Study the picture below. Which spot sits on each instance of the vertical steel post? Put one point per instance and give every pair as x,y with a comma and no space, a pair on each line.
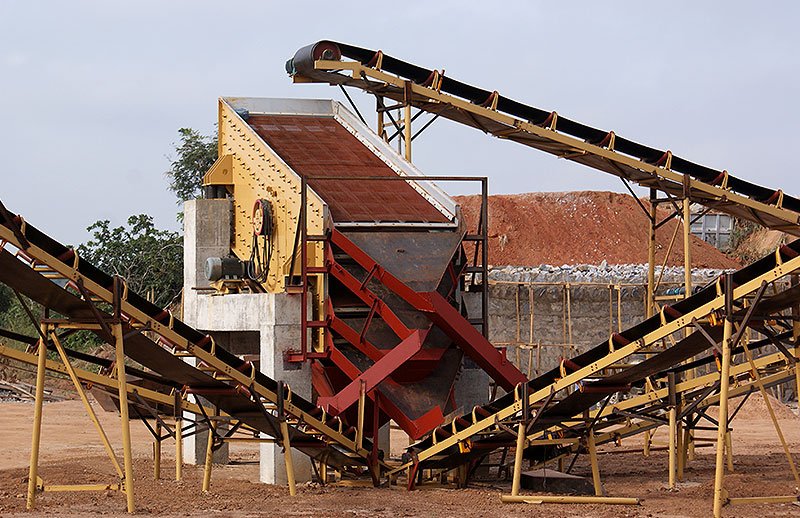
379,109
517,479
485,257
323,472
303,267
33,472
722,428
407,129
688,438
796,340
651,255
687,248
157,453
209,460
178,438
672,400
590,441
287,457
361,409
680,446
123,411
729,450
672,447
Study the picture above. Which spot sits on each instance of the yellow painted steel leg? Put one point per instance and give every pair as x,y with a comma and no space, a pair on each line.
362,396
673,432
517,479
381,121
209,459
157,453
687,248
323,473
651,256
684,450
729,451
598,485
646,446
89,410
722,429
33,472
287,457
178,448
680,447
123,411
688,439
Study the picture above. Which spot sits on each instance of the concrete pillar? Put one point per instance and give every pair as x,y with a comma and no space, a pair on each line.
207,233
278,335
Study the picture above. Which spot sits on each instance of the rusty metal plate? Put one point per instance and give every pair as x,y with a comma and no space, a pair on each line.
316,146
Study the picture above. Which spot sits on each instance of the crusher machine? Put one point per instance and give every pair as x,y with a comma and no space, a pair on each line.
326,209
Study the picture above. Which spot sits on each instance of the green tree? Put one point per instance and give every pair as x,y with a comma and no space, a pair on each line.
5,298
196,153
150,260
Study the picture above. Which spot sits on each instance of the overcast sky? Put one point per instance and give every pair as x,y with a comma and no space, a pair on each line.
93,93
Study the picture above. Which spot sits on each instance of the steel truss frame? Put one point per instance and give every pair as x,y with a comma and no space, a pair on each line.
432,304
638,412
295,415
549,138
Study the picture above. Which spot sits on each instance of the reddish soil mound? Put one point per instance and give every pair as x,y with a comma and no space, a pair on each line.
755,409
584,227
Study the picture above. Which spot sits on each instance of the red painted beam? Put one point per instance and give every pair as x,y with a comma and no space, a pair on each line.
376,374
444,315
473,343
378,272
369,298
415,428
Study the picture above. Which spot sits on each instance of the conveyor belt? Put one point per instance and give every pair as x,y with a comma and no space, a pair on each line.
677,316
311,434
432,91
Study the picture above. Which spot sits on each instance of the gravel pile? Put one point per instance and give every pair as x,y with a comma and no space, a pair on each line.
602,273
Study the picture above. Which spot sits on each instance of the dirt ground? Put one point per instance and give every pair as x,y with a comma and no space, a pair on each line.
71,453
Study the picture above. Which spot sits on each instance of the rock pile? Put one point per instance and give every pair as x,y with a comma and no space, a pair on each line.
603,273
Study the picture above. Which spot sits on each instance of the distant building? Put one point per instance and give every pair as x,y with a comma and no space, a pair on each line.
712,227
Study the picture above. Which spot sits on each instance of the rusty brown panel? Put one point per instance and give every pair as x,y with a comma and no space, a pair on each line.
320,146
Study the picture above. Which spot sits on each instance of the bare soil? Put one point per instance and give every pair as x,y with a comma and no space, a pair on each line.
583,227
71,453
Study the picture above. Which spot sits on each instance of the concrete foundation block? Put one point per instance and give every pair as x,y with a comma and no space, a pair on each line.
278,336
272,466
552,481
194,448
